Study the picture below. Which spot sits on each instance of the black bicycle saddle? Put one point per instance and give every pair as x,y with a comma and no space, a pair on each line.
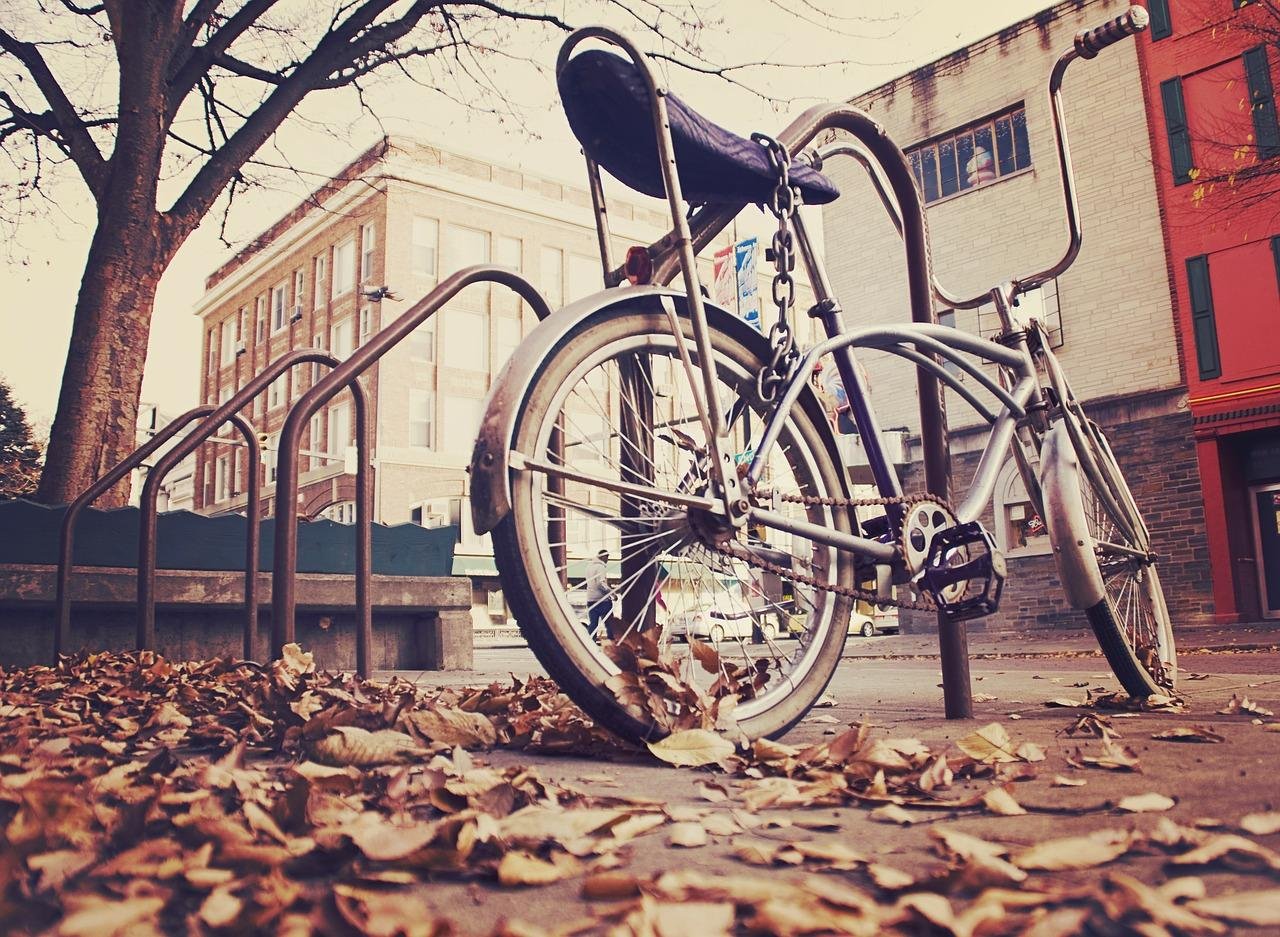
607,102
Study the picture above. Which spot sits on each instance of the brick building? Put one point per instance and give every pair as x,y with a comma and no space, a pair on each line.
1208,80
977,127
402,215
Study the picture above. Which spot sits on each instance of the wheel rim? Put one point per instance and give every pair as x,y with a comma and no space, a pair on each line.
567,523
868,630
1132,587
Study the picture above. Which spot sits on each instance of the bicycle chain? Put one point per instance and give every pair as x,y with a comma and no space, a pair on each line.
925,604
782,204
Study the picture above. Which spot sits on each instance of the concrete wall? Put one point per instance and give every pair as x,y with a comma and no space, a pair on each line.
418,623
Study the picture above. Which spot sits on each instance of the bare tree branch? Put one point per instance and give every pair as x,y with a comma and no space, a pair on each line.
186,73
76,140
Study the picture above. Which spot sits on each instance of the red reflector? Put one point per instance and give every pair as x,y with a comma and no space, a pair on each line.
638,266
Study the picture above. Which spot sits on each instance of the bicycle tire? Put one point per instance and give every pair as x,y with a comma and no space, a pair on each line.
536,578
1131,619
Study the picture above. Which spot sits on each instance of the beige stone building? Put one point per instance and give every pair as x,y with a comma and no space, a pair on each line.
403,215
977,127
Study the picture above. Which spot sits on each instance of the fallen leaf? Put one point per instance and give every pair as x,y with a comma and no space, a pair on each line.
1113,757
1147,803
1066,702
1256,908
999,801
1261,824
220,908
449,725
611,885
1030,752
1074,852
692,748
522,868
1243,705
687,835
1189,734
984,698
1062,781
989,745
889,878
360,748
892,813
1244,852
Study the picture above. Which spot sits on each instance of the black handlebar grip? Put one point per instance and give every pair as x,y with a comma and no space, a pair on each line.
1089,42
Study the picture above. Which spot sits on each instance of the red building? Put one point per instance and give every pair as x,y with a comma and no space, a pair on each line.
1209,69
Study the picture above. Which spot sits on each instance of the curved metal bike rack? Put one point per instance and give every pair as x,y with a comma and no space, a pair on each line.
284,567
224,412
66,544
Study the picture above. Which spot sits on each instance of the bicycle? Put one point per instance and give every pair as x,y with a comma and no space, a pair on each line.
628,421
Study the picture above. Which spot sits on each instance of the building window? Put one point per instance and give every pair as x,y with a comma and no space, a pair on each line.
585,277
551,275
317,369
1161,23
1175,124
978,154
506,338
228,340
466,340
461,423
242,328
1020,531
422,341
213,349
344,512
422,419
222,478
299,288
260,319
506,253
1203,328
270,455
368,241
339,430
1041,304
425,245
315,445
466,247
340,340
344,267
317,285
366,323
277,392
278,316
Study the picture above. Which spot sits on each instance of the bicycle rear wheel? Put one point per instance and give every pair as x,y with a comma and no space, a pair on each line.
1131,619
612,403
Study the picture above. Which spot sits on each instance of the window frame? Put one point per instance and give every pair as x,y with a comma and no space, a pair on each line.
368,244
279,306
422,399
339,289
918,154
415,246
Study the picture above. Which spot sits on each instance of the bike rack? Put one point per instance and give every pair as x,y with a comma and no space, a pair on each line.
229,411
284,566
66,541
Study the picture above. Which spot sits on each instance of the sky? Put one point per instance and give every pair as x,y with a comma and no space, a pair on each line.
875,40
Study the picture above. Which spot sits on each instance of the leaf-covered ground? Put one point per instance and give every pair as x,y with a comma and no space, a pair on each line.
140,795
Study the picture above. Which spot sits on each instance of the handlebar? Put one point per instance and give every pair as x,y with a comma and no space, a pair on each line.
1088,43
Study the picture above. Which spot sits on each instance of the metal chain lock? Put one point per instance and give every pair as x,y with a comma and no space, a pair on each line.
782,204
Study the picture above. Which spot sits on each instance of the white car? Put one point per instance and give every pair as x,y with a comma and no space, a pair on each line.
731,618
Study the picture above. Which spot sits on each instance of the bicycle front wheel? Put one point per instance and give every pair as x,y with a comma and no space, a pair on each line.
1131,619
613,405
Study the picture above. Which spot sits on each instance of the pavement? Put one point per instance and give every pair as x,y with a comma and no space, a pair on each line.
893,683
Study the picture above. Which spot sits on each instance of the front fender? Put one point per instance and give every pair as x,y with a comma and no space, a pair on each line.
489,468
1064,516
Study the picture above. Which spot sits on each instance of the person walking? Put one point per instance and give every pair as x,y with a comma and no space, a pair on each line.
599,593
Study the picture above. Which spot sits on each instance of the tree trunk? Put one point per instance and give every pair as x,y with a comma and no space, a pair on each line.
95,425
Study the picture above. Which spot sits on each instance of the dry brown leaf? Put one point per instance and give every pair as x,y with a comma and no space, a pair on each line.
889,878
610,885
360,748
1030,752
1066,702
1189,734
637,825
1240,851
1060,780
687,835
1075,852
1242,705
1000,801
937,776
1261,824
107,918
1147,803
1255,908
449,725
220,908
1113,757
989,745
522,868
692,748
892,813
537,824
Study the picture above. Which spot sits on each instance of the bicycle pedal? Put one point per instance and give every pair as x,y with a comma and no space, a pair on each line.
965,572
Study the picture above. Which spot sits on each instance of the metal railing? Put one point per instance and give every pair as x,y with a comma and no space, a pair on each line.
66,541
225,411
